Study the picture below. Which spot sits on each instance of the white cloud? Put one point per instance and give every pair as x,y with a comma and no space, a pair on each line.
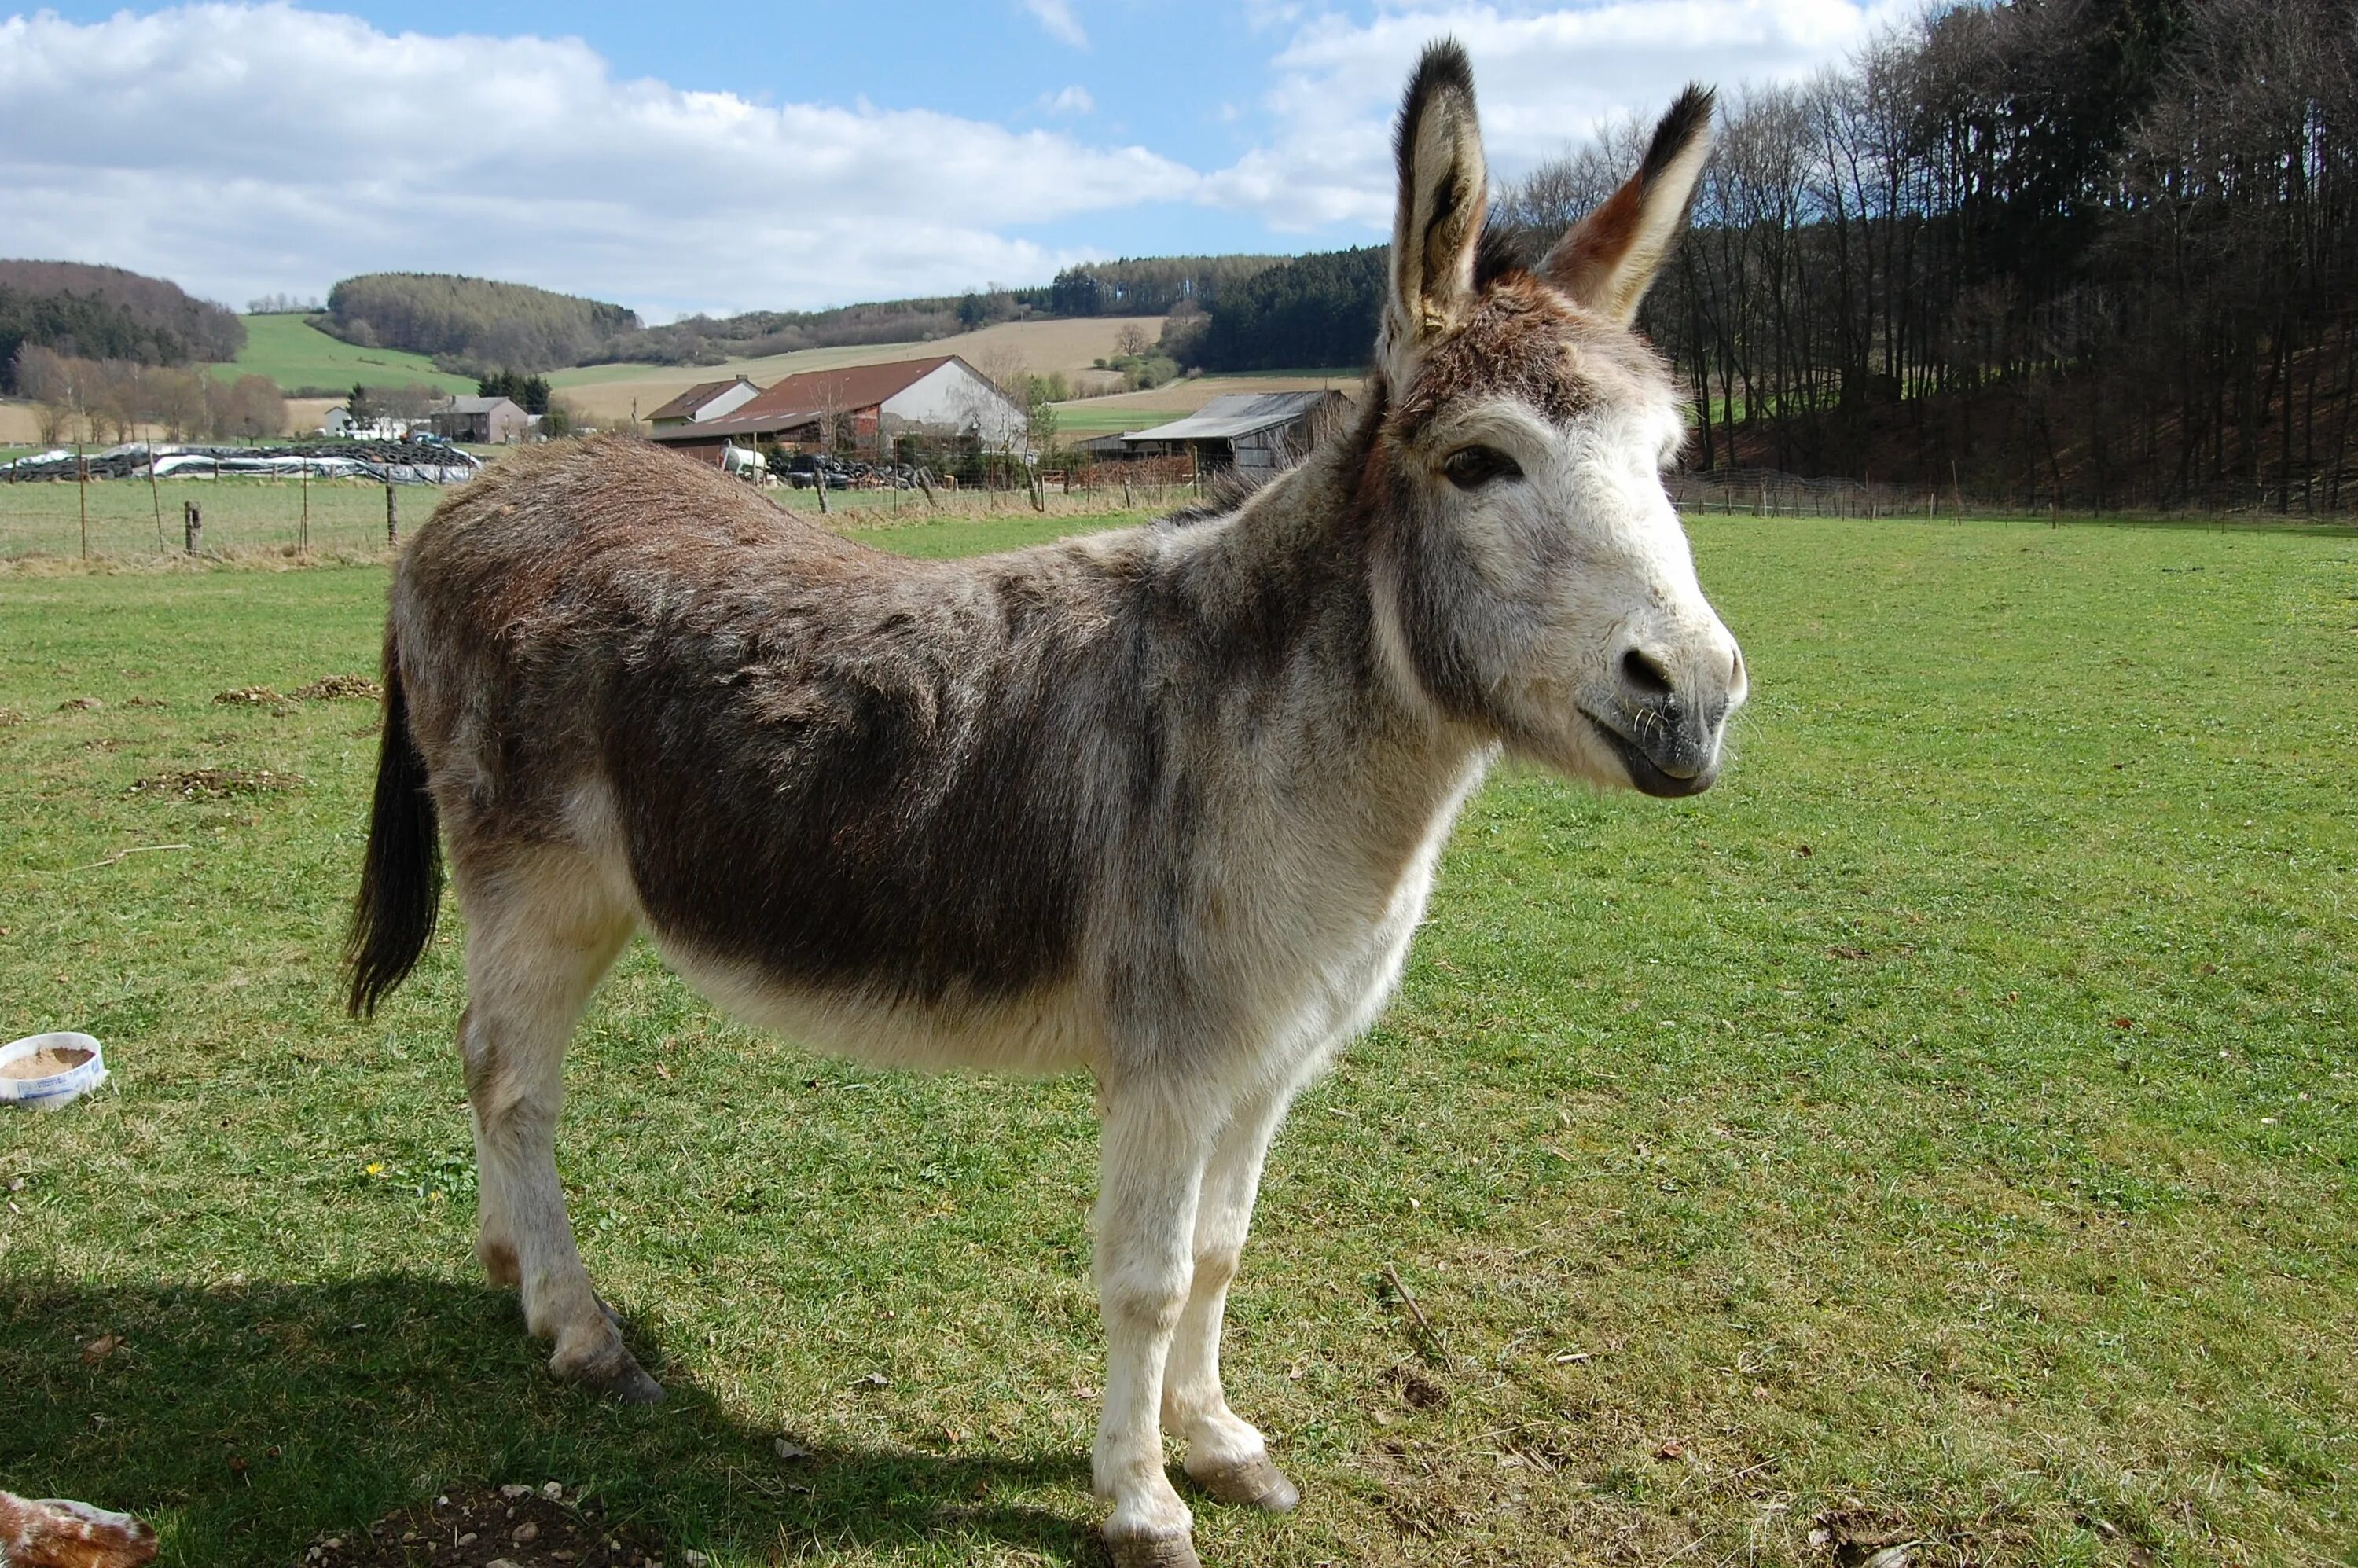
1056,17
1074,100
243,149
1547,77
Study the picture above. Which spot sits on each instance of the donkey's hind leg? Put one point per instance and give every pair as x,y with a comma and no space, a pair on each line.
541,931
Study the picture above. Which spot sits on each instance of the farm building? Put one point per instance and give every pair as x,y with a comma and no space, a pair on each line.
706,400
485,421
861,406
1254,431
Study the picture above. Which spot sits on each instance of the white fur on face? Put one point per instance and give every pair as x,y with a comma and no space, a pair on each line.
1591,561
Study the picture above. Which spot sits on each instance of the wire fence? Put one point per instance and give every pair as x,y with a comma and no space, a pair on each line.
1767,492
135,518
209,517
119,518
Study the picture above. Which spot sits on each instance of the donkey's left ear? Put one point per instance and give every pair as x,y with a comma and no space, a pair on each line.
1608,260
1444,191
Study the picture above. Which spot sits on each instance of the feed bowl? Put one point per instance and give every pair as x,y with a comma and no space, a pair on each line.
43,1072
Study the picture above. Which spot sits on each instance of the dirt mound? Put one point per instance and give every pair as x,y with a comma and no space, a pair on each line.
524,1527
250,696
218,783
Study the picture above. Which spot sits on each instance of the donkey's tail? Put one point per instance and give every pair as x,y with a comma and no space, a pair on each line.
401,881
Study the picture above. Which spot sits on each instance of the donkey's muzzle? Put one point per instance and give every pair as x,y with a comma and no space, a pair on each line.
1666,742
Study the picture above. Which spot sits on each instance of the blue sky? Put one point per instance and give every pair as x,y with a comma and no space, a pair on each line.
701,156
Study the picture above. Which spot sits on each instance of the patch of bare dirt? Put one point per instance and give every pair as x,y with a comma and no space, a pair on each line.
218,783
341,688
1417,1392
1861,1538
10,716
489,1527
80,704
251,697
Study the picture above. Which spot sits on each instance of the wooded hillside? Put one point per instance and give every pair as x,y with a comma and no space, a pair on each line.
2100,252
2105,251
1311,311
1150,286
473,323
106,313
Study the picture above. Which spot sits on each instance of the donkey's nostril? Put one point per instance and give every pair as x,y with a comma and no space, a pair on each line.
1644,676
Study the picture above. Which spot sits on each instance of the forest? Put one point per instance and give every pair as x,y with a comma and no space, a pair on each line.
473,323
2091,253
106,313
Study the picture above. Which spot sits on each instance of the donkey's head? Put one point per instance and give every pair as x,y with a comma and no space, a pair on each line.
1537,582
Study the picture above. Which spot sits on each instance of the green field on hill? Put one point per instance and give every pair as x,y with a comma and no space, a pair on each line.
1941,1139
295,354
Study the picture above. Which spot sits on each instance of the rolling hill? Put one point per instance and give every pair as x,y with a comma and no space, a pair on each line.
295,354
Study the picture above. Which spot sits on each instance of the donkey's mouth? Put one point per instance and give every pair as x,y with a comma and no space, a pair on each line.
1644,772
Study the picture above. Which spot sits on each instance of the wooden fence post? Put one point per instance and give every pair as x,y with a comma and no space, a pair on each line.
392,518
192,524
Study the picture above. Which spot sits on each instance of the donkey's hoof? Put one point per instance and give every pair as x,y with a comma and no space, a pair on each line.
1152,1551
610,1371
1254,1484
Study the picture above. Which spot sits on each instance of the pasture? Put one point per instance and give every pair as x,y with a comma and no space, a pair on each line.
1942,1135
294,353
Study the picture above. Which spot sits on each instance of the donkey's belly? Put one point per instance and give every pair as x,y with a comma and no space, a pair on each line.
1043,1031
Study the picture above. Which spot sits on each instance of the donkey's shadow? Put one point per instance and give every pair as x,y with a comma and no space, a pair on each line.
247,1420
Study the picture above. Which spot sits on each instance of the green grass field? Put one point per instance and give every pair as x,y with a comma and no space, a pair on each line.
294,353
1943,1134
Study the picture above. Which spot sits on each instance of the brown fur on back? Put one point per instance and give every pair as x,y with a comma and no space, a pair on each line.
841,767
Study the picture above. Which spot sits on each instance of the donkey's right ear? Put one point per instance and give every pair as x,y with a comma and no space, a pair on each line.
1444,190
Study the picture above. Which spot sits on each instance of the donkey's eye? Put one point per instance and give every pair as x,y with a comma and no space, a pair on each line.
1470,468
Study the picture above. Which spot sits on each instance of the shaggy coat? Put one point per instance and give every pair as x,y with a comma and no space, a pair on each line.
1161,803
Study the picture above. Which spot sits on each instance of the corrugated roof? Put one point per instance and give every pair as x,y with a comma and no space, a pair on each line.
1235,414
684,405
738,424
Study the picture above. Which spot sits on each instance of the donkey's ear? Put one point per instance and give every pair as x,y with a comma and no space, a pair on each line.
1444,190
1608,260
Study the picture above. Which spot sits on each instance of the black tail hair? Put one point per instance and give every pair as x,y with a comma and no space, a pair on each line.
401,881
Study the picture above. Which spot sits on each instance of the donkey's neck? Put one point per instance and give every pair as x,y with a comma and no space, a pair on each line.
1284,585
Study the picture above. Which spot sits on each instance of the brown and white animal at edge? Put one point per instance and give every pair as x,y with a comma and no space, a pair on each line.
1161,803
53,1533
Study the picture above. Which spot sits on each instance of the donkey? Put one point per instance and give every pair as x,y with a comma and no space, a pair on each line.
1161,803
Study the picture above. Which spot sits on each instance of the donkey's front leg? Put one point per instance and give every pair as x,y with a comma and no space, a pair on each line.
1226,1453
1150,1168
